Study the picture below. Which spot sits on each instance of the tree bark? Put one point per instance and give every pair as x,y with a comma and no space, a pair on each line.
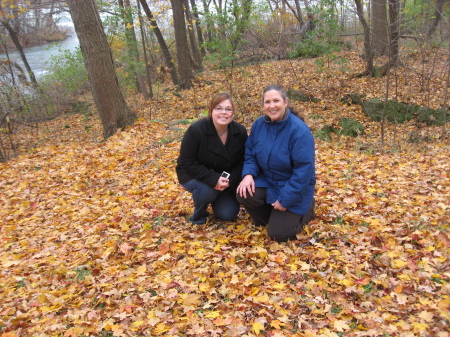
242,21
190,30
16,41
184,62
368,56
144,49
437,18
394,35
162,43
109,100
379,27
209,33
297,12
133,52
198,28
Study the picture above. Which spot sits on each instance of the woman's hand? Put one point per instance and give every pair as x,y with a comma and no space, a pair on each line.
222,184
247,185
277,205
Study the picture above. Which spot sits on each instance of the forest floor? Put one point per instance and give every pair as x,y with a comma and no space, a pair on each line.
95,237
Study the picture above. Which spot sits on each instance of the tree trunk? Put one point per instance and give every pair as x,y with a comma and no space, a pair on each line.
162,43
242,21
297,11
144,49
368,56
379,27
16,41
394,35
184,61
198,28
113,110
209,33
437,18
190,29
394,31
133,52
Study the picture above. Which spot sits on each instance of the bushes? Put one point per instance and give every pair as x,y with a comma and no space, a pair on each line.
313,47
349,127
66,78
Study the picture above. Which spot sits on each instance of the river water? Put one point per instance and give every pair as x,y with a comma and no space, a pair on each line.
39,56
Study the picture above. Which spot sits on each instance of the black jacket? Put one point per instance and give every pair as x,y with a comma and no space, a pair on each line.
204,157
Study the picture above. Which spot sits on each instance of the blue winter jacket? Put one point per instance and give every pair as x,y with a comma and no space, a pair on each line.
280,156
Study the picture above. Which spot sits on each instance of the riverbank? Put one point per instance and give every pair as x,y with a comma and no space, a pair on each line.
32,40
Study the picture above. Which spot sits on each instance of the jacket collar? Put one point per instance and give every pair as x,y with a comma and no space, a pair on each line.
215,145
286,116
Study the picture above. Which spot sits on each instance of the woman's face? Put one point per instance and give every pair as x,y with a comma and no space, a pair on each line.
222,114
274,105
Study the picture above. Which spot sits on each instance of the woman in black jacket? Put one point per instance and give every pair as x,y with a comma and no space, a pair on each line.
210,161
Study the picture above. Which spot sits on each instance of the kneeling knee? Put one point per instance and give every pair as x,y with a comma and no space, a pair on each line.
280,237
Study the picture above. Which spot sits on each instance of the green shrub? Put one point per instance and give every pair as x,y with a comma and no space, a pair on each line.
324,133
67,74
350,127
314,47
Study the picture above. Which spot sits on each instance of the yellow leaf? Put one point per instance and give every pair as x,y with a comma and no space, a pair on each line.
262,299
341,326
257,327
276,324
426,316
42,299
161,328
137,324
141,270
397,264
347,282
304,266
213,314
419,326
279,286
204,286
191,299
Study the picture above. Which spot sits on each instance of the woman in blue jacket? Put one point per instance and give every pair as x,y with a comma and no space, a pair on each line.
209,147
279,175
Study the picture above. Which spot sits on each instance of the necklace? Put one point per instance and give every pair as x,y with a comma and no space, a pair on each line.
221,134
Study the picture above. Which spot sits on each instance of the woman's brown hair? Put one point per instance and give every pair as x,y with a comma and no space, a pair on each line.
219,98
283,94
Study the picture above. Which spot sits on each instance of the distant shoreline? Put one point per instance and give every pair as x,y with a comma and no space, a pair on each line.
29,41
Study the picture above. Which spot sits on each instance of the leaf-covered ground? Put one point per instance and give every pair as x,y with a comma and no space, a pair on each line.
95,239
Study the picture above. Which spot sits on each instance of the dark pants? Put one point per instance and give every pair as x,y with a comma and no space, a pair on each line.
224,204
281,225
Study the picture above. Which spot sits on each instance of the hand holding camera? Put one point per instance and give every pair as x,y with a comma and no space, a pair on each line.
223,181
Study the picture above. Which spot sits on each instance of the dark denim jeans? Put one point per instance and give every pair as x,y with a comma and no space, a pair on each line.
224,204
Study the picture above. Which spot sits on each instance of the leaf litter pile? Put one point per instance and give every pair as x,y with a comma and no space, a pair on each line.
95,237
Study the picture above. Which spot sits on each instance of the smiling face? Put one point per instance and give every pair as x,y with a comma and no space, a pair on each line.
222,113
274,105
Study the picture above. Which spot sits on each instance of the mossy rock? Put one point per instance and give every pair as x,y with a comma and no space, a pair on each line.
432,117
394,112
373,108
399,113
296,95
350,127
324,133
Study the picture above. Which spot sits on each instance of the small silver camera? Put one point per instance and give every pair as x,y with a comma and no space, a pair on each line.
225,175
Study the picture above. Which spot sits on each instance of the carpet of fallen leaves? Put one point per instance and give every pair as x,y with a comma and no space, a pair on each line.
95,239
